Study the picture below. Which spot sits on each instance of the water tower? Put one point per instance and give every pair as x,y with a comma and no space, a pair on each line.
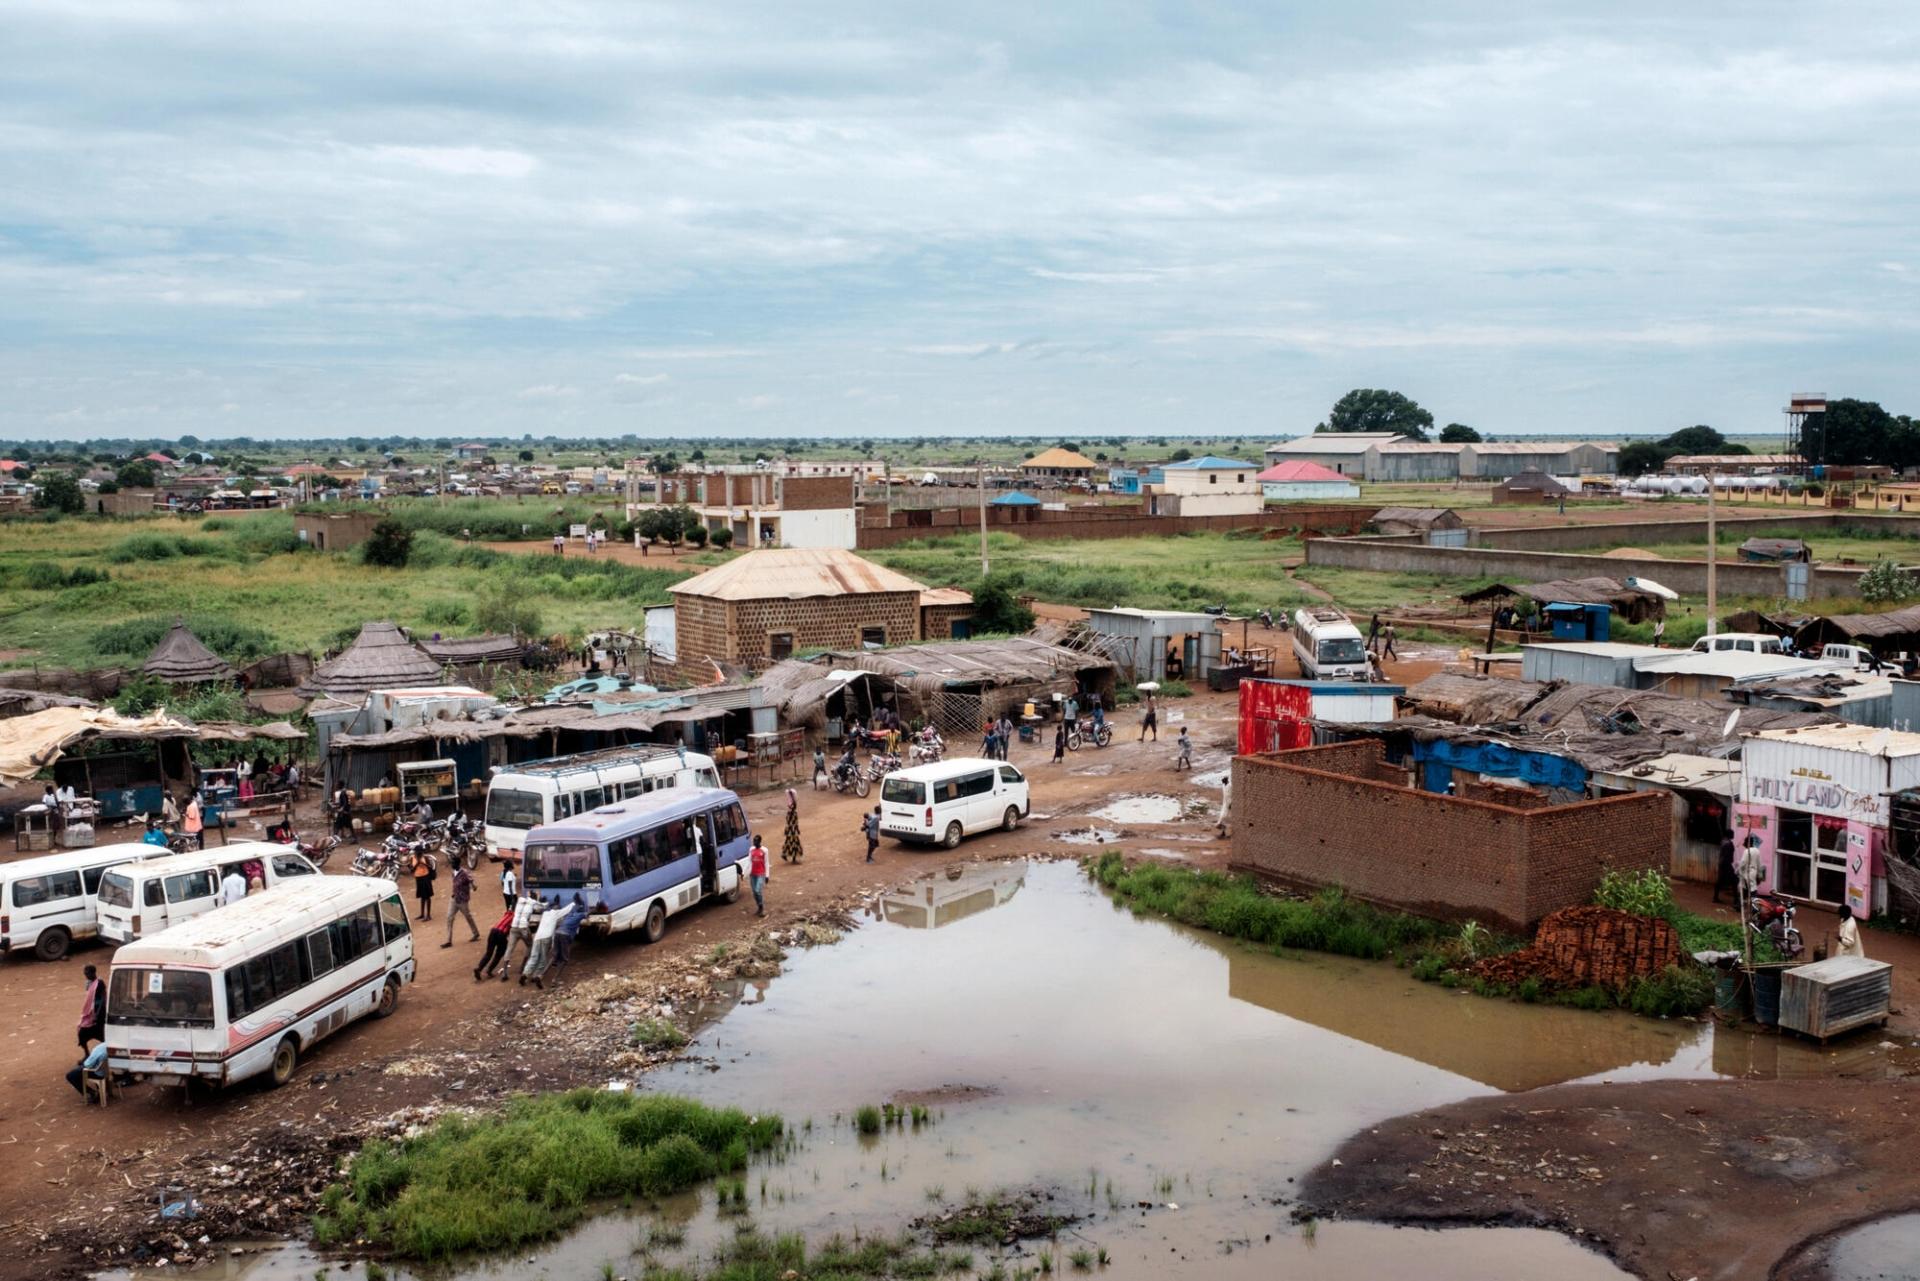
1807,427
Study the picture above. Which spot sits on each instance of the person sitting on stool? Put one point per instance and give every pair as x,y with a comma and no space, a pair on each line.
93,1065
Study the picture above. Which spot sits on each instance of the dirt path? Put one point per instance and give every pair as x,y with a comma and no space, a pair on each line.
662,557
75,1168
1674,1179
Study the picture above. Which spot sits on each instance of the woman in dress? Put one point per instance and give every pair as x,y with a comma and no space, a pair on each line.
790,848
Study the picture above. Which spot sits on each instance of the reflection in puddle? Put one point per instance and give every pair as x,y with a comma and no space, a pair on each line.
1884,1250
1114,1060
1142,809
942,900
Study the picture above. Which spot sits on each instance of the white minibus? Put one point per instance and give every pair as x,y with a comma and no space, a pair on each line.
48,902
248,988
145,898
948,799
521,797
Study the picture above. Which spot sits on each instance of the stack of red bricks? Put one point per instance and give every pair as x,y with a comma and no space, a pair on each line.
1578,946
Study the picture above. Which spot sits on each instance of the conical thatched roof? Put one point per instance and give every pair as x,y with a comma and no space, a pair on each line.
382,658
182,659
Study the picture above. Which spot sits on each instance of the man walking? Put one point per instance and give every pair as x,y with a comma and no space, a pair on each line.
519,933
1059,742
342,811
509,883
870,828
461,904
93,1009
1185,759
1386,643
193,825
1150,721
757,874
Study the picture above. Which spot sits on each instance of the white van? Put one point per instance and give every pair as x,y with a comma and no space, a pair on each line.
250,987
145,898
1739,642
948,799
47,902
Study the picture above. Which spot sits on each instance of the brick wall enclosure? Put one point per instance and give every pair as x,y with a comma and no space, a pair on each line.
1335,816
1115,520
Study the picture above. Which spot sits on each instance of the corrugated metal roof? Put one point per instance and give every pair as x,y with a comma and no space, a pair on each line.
1537,446
794,573
946,596
1335,442
1207,462
1864,739
1299,470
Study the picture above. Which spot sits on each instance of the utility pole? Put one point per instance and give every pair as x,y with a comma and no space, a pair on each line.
982,481
1713,560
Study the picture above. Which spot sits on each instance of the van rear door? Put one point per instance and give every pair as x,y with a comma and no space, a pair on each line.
903,806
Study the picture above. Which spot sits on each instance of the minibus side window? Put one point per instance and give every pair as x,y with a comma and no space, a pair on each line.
156,894
320,952
393,914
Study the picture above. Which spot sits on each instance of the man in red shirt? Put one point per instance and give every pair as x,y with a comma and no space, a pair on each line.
757,874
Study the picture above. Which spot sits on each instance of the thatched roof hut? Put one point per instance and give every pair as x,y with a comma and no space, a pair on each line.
381,658
181,658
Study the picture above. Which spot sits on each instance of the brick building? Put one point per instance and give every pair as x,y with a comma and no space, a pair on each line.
775,603
1341,815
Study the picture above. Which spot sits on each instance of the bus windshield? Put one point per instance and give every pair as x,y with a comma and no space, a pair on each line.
562,864
1343,650
509,808
152,997
116,890
903,791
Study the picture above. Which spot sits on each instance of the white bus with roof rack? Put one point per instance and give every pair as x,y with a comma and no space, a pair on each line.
246,989
522,796
1328,645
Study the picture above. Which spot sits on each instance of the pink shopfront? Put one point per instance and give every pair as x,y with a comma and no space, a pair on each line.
1815,804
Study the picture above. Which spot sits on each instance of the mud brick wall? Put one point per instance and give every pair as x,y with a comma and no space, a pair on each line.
1573,844
1518,798
1339,815
816,493
936,621
737,631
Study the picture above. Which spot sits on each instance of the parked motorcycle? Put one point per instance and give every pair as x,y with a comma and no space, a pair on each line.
382,862
1771,917
926,748
853,780
882,764
318,852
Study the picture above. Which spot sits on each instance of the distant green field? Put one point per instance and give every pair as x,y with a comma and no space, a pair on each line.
244,575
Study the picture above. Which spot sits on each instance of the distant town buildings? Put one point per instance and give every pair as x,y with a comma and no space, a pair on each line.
1386,457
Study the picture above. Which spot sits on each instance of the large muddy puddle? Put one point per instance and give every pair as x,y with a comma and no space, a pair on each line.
1061,1044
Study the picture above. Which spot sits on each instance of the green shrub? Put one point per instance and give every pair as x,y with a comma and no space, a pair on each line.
1886,582
531,1170
389,545
43,576
234,641
1645,893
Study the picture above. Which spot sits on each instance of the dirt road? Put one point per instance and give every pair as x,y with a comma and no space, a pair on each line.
74,1165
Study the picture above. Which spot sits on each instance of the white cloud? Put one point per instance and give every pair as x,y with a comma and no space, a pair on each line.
762,400
465,162
643,380
549,391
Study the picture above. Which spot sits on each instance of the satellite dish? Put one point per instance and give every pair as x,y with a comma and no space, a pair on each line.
1727,730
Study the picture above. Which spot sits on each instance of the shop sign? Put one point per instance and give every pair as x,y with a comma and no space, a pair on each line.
1811,790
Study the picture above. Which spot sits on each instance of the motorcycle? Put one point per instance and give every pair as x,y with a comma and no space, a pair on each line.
882,764
853,780
318,852
926,749
1771,918
1085,728
382,862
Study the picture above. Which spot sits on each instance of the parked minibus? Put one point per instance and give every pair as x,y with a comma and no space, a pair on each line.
523,796
637,863
138,899
248,988
949,799
48,902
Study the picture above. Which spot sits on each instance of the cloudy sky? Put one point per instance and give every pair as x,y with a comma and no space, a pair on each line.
844,218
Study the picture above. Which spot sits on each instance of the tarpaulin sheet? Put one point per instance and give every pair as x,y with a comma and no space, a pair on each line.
30,743
1439,757
1273,717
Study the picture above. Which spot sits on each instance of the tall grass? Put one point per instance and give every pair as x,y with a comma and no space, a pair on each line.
235,641
1235,906
484,1182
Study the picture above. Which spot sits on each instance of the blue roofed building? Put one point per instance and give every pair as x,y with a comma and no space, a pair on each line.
1206,486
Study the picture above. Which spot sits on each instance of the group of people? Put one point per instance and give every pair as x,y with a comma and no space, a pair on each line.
998,736
542,933
1380,639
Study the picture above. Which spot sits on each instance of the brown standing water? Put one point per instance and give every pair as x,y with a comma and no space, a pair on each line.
1065,1045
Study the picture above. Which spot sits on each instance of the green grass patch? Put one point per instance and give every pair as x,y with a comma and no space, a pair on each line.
655,1034
1236,906
531,1170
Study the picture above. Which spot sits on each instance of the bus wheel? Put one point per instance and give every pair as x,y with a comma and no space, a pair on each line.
285,1056
1011,819
733,895
52,943
953,836
389,999
656,927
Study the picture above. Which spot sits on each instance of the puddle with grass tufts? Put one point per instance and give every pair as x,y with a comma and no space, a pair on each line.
1087,836
1064,1047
